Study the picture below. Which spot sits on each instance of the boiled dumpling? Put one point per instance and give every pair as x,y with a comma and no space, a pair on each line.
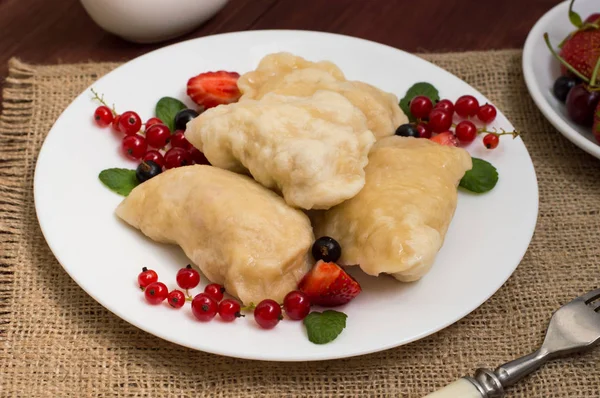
312,150
237,232
397,223
288,74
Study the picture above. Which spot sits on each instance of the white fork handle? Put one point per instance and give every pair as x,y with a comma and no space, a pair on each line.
461,388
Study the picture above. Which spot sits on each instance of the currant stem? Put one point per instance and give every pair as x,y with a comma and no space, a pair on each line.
101,100
514,134
562,61
249,307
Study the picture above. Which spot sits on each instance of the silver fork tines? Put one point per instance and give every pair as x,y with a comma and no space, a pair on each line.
574,327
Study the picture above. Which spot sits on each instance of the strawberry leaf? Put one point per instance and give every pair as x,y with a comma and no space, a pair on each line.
481,178
324,327
121,181
166,109
574,17
422,88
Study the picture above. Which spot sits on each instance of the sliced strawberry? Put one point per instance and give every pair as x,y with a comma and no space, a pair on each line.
596,126
445,138
214,88
328,285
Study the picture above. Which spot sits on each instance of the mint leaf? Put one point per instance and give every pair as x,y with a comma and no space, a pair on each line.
324,327
481,178
166,109
574,17
422,88
121,181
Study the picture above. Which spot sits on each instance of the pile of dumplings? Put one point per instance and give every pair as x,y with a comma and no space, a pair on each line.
302,141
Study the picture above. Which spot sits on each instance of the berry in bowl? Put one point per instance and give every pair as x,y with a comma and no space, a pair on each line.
561,60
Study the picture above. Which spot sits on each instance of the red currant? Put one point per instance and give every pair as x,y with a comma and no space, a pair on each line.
179,141
215,291
103,116
155,156
146,277
204,307
134,146
424,130
420,106
130,123
198,157
466,106
158,135
445,105
152,121
176,299
115,123
296,305
156,293
439,120
177,157
188,278
465,131
229,310
487,113
267,314
491,141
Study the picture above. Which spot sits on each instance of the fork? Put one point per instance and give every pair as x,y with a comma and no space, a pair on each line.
574,327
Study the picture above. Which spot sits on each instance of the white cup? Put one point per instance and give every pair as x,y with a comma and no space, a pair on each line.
150,21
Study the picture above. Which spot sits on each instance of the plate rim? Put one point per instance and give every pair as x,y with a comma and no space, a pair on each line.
535,90
295,358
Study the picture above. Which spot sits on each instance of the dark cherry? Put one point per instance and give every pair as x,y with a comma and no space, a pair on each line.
581,103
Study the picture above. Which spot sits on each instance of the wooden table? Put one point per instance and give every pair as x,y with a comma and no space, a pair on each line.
40,31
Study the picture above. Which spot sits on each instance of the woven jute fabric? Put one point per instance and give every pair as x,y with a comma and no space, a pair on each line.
56,341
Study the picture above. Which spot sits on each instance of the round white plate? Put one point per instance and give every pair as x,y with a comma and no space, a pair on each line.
486,241
541,69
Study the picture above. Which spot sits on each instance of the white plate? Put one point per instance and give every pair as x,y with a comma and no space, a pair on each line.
486,241
541,69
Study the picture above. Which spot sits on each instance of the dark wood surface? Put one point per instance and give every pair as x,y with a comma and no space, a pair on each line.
48,32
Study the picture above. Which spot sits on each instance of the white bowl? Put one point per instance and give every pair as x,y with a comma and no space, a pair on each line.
149,21
541,69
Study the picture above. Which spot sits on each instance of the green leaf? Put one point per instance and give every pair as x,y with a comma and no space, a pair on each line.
422,88
121,181
166,109
574,17
323,327
481,178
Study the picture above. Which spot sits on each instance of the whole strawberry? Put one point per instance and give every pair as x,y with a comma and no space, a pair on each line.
581,49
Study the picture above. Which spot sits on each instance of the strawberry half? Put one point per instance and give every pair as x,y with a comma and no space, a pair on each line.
210,89
445,138
328,285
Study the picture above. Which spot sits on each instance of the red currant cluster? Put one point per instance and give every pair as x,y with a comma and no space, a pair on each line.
206,305
154,143
438,119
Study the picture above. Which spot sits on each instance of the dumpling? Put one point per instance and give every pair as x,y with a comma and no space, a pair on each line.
288,74
311,149
237,232
397,223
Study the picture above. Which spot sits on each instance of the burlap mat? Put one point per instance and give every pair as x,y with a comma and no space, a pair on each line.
57,341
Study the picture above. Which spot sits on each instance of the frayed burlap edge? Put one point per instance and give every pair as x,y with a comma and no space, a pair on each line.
17,108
